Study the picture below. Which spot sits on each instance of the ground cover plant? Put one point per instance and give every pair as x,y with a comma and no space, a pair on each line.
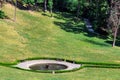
31,37
2,14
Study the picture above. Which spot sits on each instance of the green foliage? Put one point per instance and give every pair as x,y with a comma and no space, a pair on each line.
72,26
50,4
2,14
66,5
31,1
28,3
96,12
71,5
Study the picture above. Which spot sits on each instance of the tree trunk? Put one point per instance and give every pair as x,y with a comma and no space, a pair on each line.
115,35
15,10
114,19
1,4
97,10
51,13
35,1
45,5
78,9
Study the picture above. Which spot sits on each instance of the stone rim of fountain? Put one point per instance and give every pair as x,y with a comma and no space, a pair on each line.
26,64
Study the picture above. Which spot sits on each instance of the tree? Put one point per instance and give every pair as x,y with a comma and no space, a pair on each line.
15,9
35,1
66,5
78,8
1,4
50,4
114,18
45,5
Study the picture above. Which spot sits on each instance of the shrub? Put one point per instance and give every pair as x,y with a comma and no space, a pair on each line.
2,14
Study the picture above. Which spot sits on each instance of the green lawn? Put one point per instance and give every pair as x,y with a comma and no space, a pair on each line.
34,35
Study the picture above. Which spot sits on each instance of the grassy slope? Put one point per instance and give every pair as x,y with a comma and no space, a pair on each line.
31,37
84,74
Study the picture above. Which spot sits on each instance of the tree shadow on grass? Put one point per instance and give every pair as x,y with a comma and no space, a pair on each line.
96,43
89,34
75,25
59,15
63,15
45,14
111,42
71,26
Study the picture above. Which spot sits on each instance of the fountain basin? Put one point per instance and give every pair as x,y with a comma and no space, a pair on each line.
47,65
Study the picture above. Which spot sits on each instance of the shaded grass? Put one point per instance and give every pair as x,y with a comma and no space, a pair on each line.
84,74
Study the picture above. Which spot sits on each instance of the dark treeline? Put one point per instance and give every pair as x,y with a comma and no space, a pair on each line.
95,10
102,13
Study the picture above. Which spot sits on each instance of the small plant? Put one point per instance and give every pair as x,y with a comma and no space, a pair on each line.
2,14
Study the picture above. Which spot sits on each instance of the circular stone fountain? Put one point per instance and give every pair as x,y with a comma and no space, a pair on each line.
47,65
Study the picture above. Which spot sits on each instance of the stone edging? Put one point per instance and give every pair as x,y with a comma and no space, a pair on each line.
27,64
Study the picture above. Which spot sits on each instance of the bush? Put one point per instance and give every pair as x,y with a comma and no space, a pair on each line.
2,14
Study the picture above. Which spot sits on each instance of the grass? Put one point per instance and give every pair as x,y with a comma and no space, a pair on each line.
35,35
84,74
